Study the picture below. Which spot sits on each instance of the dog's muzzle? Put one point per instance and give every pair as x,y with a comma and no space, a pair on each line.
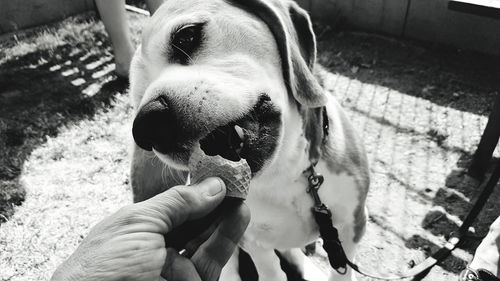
160,127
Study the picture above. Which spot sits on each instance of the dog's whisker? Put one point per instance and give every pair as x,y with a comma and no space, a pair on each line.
151,159
186,54
164,173
150,156
154,160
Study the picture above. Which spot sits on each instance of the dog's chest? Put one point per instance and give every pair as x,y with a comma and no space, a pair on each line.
281,216
281,207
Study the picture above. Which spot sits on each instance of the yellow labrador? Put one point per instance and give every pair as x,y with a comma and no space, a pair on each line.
237,77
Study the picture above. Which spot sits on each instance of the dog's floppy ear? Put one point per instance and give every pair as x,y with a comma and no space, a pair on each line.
305,33
307,89
295,39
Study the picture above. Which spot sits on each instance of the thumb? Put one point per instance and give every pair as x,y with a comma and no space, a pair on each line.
182,203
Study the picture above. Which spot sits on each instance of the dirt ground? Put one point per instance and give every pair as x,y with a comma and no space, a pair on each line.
65,132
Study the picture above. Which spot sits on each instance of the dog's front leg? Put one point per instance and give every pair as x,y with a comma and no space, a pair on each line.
149,176
303,264
266,262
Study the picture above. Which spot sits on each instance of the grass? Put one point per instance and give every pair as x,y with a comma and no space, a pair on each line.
65,134
64,138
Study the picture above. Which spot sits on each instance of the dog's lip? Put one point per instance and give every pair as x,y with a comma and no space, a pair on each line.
171,160
180,148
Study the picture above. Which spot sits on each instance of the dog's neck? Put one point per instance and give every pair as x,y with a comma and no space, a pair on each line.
299,148
315,127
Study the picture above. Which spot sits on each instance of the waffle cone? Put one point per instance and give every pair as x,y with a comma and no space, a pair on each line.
236,175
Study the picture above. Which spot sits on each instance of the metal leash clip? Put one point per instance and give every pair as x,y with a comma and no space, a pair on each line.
315,182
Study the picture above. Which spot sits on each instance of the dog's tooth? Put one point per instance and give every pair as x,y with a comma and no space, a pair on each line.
240,132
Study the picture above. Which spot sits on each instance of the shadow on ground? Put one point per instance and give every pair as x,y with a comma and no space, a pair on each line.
42,91
467,82
456,199
463,80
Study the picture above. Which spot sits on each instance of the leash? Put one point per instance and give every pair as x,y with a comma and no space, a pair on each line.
331,241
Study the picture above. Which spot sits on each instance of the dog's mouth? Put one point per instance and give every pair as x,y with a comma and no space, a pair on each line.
253,137
227,141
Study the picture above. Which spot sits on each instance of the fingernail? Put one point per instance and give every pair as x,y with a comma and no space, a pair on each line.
213,186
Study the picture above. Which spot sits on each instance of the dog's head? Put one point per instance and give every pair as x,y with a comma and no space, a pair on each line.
224,74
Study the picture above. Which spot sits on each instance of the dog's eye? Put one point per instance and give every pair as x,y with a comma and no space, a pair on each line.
185,41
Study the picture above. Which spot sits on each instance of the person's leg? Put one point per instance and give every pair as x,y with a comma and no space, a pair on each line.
487,257
114,18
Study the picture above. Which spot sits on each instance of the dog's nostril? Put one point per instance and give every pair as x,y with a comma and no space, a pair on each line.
163,101
153,124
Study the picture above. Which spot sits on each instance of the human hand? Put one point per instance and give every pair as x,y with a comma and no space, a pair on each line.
130,244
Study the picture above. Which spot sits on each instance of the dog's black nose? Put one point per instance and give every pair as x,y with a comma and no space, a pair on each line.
154,126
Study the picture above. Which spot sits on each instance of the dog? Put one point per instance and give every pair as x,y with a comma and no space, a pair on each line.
238,78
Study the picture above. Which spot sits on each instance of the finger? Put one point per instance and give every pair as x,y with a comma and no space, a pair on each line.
181,203
198,229
225,207
216,251
193,233
178,268
192,246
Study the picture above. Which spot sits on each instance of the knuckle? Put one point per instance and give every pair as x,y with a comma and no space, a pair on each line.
128,215
186,197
